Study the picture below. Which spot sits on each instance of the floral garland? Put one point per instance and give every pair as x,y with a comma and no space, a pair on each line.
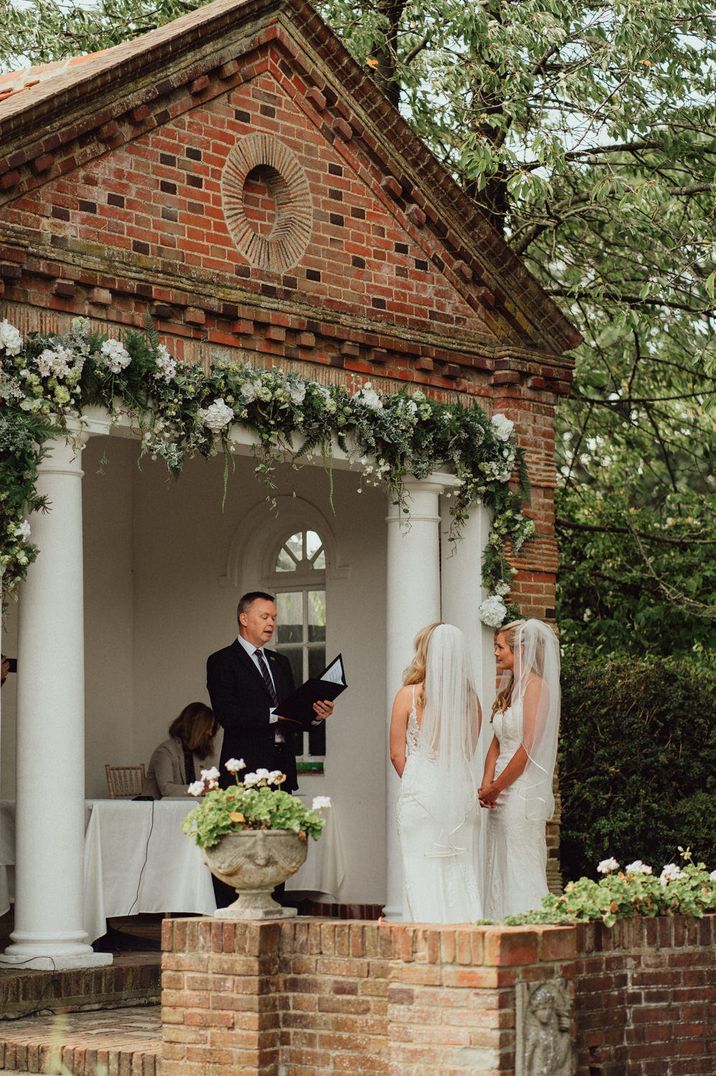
47,381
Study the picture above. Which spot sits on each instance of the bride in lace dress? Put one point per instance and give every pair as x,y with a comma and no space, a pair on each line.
434,731
519,766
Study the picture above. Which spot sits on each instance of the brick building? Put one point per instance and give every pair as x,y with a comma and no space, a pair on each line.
239,178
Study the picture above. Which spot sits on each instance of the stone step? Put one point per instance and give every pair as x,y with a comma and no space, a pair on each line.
133,979
111,1042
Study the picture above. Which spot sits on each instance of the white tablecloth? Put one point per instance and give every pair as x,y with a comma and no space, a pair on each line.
137,859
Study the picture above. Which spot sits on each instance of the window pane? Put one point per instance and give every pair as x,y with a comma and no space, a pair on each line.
316,660
295,656
285,563
316,616
320,562
295,545
290,618
313,544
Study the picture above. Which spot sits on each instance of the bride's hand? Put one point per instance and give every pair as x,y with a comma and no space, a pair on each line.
487,795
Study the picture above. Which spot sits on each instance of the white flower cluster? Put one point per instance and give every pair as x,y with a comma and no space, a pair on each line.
10,338
367,396
607,866
671,873
217,415
115,356
248,390
320,802
493,611
637,867
264,777
166,364
55,362
208,781
502,427
23,531
297,392
233,765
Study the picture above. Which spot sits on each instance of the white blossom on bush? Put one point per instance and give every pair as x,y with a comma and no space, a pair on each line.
115,355
502,427
493,611
196,788
607,866
233,765
367,396
217,415
23,530
10,338
637,867
166,364
298,393
502,589
320,802
712,876
671,873
248,391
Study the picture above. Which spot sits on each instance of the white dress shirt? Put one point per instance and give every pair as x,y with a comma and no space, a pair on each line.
251,651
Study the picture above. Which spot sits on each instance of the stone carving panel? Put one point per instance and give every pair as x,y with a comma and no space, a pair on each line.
545,1042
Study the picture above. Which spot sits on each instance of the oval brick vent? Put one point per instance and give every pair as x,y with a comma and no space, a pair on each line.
267,202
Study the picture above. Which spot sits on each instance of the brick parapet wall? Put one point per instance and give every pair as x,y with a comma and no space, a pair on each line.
310,995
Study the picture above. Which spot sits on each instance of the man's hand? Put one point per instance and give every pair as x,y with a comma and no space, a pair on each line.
322,710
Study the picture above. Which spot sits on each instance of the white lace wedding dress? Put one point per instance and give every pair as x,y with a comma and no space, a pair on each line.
439,860
515,847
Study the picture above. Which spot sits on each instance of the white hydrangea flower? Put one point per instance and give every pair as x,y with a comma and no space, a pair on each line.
671,873
196,788
115,355
637,867
502,588
607,866
55,362
320,802
23,530
367,396
10,338
217,415
493,611
233,765
248,391
298,393
166,364
502,427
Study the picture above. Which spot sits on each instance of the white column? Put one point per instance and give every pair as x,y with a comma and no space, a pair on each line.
413,600
50,732
462,592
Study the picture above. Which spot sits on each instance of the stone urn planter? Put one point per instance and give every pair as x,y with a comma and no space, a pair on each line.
254,861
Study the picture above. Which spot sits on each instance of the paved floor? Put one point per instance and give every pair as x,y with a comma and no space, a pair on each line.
103,1043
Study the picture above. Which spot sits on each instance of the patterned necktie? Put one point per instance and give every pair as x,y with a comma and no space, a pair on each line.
263,667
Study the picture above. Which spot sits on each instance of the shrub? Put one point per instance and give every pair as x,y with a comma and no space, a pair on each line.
637,760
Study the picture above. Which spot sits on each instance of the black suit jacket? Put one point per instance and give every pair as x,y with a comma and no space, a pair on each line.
241,702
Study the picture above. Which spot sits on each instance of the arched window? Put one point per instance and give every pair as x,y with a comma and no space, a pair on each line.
299,583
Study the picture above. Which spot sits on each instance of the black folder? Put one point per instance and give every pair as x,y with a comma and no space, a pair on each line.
298,707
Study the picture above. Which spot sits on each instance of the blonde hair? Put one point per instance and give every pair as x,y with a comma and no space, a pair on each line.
415,672
504,697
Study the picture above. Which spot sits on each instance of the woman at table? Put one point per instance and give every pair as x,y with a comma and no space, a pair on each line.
193,745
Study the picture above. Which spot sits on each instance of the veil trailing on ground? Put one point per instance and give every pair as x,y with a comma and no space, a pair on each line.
536,698
449,732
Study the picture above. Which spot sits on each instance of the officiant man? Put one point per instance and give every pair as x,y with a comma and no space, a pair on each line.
246,683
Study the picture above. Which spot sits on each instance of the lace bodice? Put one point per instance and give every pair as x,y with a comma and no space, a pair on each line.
412,732
507,726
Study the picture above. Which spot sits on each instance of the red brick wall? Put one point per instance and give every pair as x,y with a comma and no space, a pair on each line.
308,995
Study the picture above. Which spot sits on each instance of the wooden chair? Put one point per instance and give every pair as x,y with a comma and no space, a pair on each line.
124,782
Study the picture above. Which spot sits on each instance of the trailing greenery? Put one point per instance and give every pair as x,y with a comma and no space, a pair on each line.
680,889
637,759
254,804
180,411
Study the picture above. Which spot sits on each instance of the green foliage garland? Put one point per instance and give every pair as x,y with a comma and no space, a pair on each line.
47,381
